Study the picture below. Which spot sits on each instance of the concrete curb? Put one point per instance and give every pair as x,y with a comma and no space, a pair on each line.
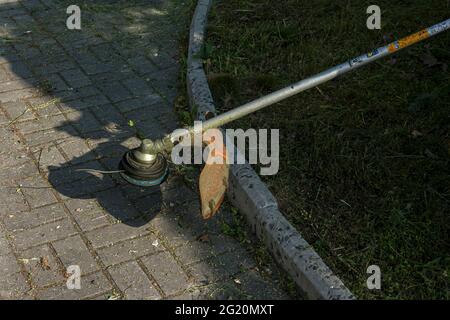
250,195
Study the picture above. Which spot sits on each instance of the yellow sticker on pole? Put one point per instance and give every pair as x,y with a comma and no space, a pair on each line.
405,42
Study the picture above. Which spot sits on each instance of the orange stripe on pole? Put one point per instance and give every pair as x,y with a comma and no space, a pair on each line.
409,40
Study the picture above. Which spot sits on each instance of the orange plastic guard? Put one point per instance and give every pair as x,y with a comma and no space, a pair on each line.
214,176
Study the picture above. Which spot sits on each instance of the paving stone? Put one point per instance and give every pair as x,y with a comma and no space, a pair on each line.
11,200
88,213
86,93
115,91
219,268
253,286
91,285
142,65
4,245
57,175
37,192
42,266
76,150
84,187
163,60
137,103
29,219
49,156
3,119
76,78
18,109
147,113
17,84
13,152
118,232
44,106
41,124
8,264
129,249
169,228
210,246
17,70
56,135
117,205
109,116
53,83
13,286
46,69
133,282
73,251
42,234
171,277
83,121
138,86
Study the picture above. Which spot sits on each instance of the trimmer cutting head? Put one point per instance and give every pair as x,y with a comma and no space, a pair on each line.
144,170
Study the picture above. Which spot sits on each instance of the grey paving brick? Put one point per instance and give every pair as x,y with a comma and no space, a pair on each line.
83,121
117,205
13,286
17,84
73,251
42,266
4,245
138,86
147,113
53,83
46,69
211,246
171,278
76,78
44,106
11,200
142,65
29,219
17,70
129,249
84,187
219,268
109,116
133,282
18,109
88,213
56,135
163,59
91,285
118,232
169,228
42,234
13,152
76,150
37,192
67,174
115,91
252,286
49,156
8,264
137,103
16,95
41,124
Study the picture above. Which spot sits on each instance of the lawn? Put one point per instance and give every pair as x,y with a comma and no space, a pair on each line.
364,159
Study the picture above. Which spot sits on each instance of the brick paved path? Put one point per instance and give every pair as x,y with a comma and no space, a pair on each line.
65,101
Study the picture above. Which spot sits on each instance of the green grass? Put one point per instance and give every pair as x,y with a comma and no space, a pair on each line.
364,172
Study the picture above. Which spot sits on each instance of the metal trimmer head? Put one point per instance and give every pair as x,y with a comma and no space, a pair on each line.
143,170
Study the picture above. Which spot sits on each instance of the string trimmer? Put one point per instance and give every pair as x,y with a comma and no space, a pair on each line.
147,165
